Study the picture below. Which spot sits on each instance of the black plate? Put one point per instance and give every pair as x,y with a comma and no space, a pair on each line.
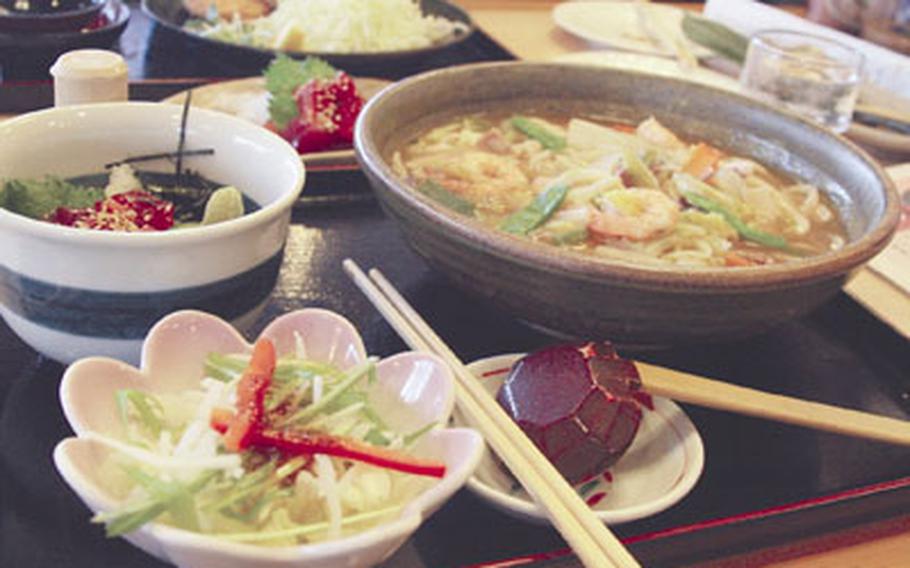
47,15
171,15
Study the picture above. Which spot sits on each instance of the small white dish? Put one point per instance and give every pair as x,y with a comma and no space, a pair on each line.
661,466
248,99
411,390
618,25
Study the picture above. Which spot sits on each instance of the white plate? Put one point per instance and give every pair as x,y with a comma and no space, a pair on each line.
651,65
248,98
617,25
661,466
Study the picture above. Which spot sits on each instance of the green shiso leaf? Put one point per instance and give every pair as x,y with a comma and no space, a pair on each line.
283,76
37,198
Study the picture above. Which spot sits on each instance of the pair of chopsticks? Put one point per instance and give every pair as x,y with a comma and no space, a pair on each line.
587,535
591,540
685,387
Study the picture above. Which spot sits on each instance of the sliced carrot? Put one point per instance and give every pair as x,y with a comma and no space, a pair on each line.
623,127
702,161
733,259
251,391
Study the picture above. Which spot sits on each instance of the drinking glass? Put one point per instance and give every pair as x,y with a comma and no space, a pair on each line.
811,75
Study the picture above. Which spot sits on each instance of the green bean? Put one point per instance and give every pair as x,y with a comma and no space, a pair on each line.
531,129
747,232
535,213
446,198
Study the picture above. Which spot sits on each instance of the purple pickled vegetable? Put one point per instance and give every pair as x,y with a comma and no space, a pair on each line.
580,404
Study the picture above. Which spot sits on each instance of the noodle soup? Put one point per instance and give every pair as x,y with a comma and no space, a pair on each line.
635,193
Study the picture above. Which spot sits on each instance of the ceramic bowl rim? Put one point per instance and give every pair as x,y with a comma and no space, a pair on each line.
514,249
74,237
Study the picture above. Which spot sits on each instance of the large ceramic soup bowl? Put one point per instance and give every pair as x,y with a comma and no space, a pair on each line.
71,292
579,294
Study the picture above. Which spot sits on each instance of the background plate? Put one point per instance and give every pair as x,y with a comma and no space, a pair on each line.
617,25
248,99
171,15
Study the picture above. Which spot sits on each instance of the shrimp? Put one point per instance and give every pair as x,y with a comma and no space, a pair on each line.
634,214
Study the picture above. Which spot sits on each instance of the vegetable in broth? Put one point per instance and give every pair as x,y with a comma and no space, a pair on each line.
633,193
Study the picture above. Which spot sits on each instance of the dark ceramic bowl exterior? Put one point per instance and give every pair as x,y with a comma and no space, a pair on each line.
171,15
51,16
51,44
581,296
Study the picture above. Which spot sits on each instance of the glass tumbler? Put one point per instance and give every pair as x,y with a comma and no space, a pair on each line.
811,75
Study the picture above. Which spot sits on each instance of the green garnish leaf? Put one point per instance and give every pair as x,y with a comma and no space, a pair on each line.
222,368
716,37
329,398
531,129
177,498
147,408
376,438
446,198
283,77
36,198
535,213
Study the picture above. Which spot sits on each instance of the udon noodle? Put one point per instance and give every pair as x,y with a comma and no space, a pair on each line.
636,193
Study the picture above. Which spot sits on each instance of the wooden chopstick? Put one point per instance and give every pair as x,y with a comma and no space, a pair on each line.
685,387
594,544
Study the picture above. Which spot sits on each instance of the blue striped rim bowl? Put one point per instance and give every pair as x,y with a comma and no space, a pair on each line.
69,292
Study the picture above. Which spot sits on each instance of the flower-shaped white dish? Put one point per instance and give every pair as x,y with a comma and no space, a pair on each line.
411,389
660,467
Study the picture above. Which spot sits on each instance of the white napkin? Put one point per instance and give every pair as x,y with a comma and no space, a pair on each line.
886,72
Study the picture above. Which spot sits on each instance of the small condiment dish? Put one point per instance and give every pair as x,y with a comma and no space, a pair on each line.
659,469
70,293
411,389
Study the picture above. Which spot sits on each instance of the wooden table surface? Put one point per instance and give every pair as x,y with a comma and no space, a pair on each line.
525,28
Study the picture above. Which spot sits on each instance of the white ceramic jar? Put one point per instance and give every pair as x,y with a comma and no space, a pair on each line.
89,76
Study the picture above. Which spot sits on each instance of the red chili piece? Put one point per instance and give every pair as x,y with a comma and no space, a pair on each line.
295,443
134,210
241,430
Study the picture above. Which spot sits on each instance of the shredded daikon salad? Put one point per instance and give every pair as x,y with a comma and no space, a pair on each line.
333,26
274,458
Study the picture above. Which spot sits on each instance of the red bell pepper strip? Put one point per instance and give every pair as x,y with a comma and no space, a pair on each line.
294,443
301,442
251,397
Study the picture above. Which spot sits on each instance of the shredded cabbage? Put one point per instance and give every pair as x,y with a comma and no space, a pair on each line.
336,26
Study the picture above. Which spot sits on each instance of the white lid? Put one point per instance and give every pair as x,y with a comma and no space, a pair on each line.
89,63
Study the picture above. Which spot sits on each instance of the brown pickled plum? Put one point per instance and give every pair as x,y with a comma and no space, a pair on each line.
580,404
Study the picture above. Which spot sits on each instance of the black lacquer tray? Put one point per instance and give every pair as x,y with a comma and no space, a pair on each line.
763,483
